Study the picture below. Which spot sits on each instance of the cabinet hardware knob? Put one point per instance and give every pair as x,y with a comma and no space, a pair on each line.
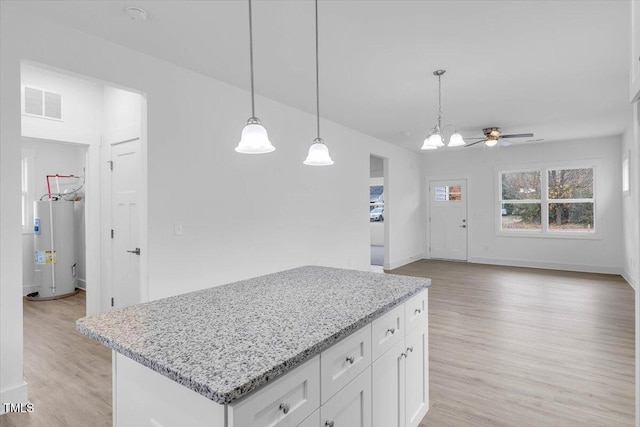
351,359
328,424
284,407
418,311
403,355
409,350
391,330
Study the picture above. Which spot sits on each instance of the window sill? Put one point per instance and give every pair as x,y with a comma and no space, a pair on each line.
571,235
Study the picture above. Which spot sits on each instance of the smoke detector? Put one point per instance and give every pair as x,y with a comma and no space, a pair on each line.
136,13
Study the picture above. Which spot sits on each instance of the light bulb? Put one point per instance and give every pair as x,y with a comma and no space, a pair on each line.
254,139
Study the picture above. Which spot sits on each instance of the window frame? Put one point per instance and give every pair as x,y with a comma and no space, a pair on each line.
544,201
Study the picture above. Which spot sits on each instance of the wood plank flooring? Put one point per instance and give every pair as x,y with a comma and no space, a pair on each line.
69,375
508,347
528,347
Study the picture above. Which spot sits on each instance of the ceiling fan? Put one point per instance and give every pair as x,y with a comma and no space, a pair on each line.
493,136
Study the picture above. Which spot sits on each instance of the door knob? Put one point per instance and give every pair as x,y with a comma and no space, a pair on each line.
464,226
136,251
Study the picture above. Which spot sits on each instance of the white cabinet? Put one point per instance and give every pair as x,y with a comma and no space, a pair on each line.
344,361
351,406
286,402
388,388
387,331
416,361
400,385
312,421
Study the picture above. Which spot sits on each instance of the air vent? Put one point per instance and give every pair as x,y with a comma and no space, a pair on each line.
41,103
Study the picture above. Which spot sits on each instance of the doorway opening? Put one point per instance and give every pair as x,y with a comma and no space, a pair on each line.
69,125
378,212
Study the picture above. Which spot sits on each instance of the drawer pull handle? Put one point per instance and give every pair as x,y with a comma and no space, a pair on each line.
391,330
351,359
284,407
328,424
418,311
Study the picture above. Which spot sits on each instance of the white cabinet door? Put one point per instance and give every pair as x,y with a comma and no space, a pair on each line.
344,361
387,331
351,407
388,388
417,375
312,421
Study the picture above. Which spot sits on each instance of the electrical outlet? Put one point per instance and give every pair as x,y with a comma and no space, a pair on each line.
177,229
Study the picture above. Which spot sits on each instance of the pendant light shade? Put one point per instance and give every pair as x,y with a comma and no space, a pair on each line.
456,140
318,154
427,146
491,142
254,138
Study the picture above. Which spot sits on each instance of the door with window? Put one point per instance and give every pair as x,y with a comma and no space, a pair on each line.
448,226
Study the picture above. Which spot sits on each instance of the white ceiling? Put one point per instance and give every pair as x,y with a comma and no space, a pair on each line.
556,68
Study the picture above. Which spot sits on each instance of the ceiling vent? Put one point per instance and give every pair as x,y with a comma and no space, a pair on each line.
41,103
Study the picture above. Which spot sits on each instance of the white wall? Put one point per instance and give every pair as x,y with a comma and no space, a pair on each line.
51,158
242,215
479,166
630,212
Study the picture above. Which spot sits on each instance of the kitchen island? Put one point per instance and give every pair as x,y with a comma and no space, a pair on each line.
312,346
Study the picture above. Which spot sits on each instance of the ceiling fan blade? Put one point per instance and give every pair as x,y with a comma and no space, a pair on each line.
474,143
505,143
517,135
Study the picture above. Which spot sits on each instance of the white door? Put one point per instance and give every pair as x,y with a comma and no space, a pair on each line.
351,406
448,224
417,378
388,388
125,217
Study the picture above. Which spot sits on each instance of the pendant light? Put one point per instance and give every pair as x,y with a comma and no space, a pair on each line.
254,138
434,139
318,152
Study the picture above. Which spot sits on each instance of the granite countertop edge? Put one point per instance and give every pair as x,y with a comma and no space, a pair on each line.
265,378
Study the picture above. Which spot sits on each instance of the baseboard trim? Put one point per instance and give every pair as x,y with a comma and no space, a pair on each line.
81,284
27,289
625,275
17,394
402,262
547,265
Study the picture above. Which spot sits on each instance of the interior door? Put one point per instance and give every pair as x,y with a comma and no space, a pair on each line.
125,217
448,226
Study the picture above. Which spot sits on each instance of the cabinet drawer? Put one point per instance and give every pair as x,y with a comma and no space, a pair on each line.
387,331
416,310
344,361
285,402
351,407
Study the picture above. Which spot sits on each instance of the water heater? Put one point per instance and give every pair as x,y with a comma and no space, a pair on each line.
54,245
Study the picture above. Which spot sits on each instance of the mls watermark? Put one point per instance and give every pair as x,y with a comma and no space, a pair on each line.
18,407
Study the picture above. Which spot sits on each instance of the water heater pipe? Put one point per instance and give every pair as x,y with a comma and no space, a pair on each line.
53,251
56,176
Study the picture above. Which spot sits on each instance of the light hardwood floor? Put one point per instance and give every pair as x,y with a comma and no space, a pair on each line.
508,347
528,347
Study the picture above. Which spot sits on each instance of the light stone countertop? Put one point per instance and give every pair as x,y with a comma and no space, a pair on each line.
227,341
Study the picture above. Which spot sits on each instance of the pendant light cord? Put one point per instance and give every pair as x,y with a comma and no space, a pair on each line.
317,76
253,112
439,103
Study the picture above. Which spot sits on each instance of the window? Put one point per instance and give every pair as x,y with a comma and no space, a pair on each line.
27,184
448,193
547,201
625,175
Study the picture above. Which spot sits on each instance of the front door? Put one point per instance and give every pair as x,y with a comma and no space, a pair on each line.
448,224
125,217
